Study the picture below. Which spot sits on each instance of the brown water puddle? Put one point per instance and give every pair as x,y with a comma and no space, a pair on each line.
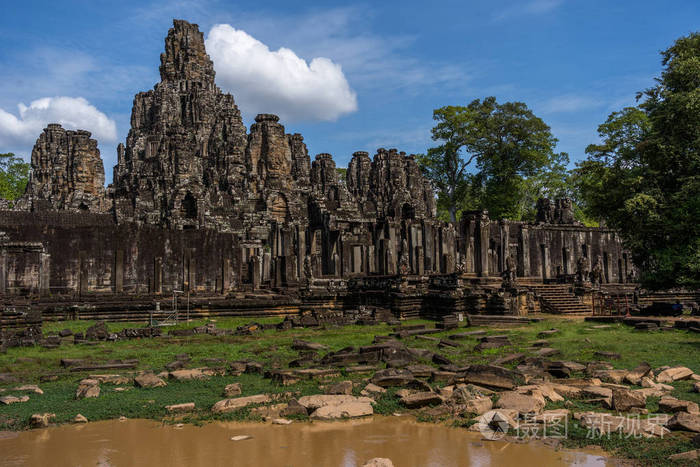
340,444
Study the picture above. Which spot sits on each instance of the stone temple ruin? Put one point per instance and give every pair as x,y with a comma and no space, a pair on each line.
242,221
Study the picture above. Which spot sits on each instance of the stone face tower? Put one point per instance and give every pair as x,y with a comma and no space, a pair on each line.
67,173
183,165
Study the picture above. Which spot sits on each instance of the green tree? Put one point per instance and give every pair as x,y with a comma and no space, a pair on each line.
490,155
644,178
14,174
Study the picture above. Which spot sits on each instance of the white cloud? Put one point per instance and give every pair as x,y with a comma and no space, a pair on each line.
569,103
71,112
278,81
532,8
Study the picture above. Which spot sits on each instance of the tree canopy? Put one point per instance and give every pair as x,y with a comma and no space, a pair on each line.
14,174
498,157
644,178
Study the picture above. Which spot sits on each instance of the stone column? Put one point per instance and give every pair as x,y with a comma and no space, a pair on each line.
82,272
119,271
482,247
3,271
525,250
44,274
420,260
158,275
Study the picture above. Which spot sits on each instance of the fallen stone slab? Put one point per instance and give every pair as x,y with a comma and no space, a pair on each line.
79,418
635,376
683,421
490,376
294,408
466,335
623,400
233,389
88,388
552,416
299,344
686,456
393,377
421,399
230,405
673,405
378,462
7,400
522,403
281,421
343,387
327,407
29,388
149,380
372,389
547,352
185,407
116,380
41,420
674,374
477,406
188,375
611,376
547,333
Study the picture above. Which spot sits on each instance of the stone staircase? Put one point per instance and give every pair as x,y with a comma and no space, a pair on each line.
558,298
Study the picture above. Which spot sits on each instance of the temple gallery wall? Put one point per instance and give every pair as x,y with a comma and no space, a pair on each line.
201,204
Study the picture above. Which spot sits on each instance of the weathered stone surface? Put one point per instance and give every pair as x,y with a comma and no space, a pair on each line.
149,380
79,418
624,399
67,173
378,462
337,406
674,374
88,388
671,404
230,405
393,377
41,420
478,405
421,399
29,388
293,408
490,376
635,376
184,407
520,402
187,375
233,389
111,379
685,421
7,400
693,455
343,387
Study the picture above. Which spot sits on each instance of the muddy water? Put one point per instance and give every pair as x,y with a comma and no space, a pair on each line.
341,444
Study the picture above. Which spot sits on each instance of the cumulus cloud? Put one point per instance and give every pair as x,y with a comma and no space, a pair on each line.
71,112
278,81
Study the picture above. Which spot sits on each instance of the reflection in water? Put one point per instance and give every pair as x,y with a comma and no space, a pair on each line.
340,444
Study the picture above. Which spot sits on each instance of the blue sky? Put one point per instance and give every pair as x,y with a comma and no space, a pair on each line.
571,61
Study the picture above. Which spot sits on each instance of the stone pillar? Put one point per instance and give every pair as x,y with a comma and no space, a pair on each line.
336,265
225,275
371,269
525,250
357,259
255,272
82,272
44,274
119,271
482,247
420,261
267,268
158,275
3,271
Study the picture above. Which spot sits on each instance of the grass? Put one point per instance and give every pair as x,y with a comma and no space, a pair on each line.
576,340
